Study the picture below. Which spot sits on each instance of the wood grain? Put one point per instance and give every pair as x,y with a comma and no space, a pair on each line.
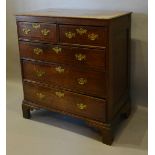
88,78
83,39
49,30
94,58
95,108
95,84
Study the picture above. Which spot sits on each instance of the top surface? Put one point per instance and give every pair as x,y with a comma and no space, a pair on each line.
74,13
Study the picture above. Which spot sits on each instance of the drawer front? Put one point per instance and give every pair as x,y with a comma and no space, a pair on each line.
85,35
63,54
81,105
37,31
72,78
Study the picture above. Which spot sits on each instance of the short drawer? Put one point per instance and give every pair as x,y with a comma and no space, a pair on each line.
72,78
85,35
37,31
73,103
63,54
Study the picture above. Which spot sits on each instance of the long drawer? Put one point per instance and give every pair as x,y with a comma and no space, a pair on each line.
37,31
76,79
81,105
83,35
63,54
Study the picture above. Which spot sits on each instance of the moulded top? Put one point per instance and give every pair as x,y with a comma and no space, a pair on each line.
76,13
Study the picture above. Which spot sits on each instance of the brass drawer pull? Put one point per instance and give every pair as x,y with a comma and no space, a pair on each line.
81,31
26,31
70,35
45,32
92,36
81,106
80,57
57,50
37,51
36,25
82,81
39,73
40,95
59,69
59,94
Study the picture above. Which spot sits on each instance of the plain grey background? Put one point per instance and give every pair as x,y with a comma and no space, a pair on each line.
139,40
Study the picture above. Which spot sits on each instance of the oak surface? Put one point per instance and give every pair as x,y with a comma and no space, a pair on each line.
77,63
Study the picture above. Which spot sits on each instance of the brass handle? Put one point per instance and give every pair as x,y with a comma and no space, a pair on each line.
40,95
36,25
37,51
82,81
92,36
81,106
39,73
70,35
57,50
59,94
81,31
59,69
80,57
26,31
45,32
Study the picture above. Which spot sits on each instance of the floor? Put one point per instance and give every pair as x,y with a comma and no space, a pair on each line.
48,133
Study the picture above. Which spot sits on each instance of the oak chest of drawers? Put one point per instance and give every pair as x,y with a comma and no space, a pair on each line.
76,63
